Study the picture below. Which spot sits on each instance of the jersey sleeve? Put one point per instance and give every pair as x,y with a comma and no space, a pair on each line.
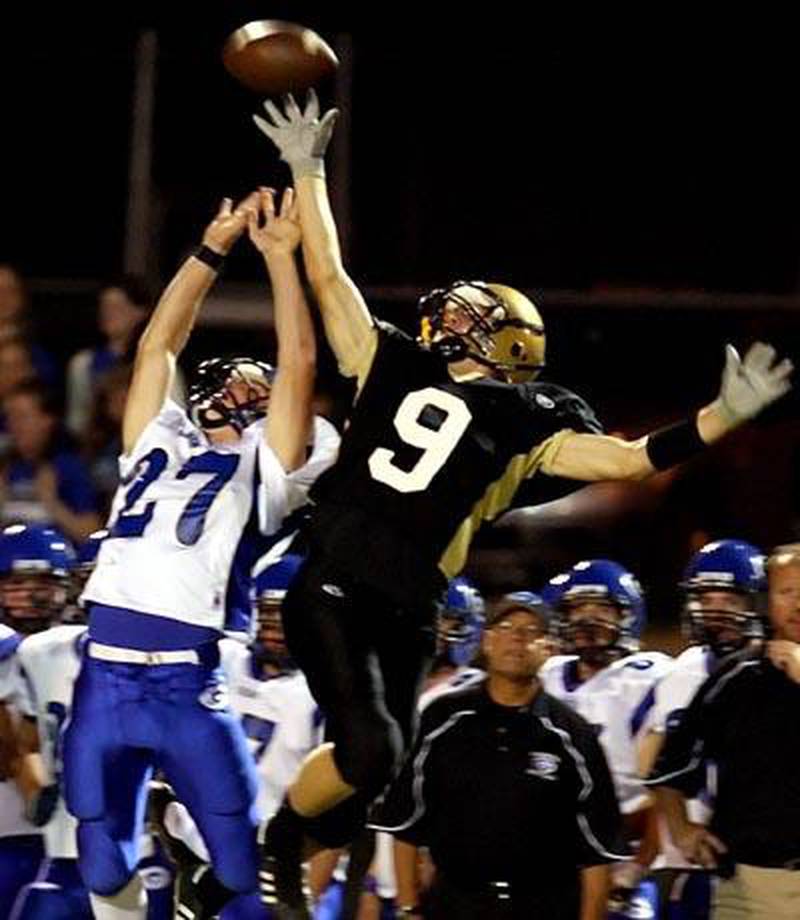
171,418
9,666
682,762
556,413
280,493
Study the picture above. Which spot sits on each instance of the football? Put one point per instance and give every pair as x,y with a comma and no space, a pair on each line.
271,57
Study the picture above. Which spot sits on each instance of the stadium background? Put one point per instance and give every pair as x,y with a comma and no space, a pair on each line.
643,191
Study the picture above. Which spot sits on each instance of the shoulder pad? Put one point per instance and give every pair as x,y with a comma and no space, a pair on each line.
567,409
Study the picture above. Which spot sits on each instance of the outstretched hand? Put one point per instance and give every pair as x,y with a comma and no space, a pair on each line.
300,136
750,385
229,223
275,232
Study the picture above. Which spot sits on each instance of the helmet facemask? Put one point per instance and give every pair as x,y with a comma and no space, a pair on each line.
598,636
724,620
230,393
32,600
490,324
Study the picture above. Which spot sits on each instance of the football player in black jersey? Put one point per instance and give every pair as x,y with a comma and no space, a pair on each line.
443,432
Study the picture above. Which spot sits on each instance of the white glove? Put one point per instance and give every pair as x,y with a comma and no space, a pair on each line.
751,385
301,137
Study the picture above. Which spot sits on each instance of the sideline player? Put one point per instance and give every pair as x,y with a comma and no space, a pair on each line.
442,434
604,677
198,494
724,586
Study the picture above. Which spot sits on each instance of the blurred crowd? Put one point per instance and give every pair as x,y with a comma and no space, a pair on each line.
60,424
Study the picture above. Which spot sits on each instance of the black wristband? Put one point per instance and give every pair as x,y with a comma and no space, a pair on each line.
210,258
674,444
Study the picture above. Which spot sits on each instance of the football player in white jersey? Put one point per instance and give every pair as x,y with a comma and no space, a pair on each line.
600,618
48,664
723,587
34,574
199,493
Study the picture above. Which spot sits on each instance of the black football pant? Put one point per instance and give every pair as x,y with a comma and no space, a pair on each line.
364,659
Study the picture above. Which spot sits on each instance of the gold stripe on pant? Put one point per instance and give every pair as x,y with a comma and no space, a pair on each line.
755,893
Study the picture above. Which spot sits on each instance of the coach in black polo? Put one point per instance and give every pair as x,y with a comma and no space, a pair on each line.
510,791
746,720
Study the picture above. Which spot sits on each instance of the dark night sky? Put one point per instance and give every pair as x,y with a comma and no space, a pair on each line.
484,148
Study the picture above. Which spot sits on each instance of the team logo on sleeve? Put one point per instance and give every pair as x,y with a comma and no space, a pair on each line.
215,697
543,764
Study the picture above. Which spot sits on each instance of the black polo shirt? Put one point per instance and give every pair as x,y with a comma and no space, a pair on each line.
519,794
746,719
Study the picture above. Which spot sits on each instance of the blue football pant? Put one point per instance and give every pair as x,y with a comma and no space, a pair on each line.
57,894
127,721
20,861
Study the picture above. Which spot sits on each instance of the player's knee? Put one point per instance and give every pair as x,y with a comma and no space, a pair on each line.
367,752
105,865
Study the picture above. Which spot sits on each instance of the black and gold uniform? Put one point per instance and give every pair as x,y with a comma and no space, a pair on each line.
424,462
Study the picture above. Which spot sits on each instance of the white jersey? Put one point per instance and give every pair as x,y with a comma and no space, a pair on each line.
51,661
280,718
190,518
673,695
282,723
617,702
12,805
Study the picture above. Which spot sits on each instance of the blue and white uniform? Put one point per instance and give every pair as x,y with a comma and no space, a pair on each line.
49,665
188,521
283,724
617,700
21,847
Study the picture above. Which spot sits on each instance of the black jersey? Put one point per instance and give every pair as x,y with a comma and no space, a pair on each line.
426,460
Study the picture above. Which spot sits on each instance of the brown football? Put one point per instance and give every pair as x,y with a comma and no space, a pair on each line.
271,57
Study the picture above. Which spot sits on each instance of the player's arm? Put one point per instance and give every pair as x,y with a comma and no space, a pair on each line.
747,387
301,138
289,418
169,327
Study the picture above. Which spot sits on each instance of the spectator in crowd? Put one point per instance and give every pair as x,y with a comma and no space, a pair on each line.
102,443
744,719
510,791
16,367
41,480
123,309
15,323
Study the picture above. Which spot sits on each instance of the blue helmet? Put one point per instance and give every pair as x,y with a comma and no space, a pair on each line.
35,565
271,585
552,590
602,580
459,623
730,567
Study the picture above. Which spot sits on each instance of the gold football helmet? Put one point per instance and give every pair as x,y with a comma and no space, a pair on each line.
491,324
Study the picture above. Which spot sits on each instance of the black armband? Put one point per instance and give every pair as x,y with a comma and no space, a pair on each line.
674,444
206,254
